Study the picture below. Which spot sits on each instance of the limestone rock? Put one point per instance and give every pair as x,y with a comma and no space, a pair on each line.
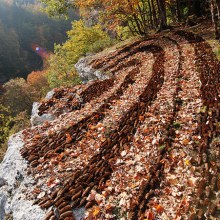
35,118
16,184
87,73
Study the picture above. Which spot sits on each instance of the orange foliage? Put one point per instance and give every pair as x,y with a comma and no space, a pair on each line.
114,10
36,77
38,83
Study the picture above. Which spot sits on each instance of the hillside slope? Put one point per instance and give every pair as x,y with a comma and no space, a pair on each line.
143,144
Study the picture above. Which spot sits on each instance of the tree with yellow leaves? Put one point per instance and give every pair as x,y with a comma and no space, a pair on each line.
131,13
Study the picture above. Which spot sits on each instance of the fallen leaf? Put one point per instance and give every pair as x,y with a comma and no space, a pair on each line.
96,211
187,162
149,215
185,141
68,138
159,208
141,118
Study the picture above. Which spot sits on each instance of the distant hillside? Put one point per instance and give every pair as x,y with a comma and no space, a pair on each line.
23,28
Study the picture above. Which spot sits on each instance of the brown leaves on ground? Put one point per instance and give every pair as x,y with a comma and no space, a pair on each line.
142,149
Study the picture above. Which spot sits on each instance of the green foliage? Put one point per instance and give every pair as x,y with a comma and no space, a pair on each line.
18,96
81,40
185,11
123,33
57,7
217,52
15,107
10,125
60,74
20,122
5,123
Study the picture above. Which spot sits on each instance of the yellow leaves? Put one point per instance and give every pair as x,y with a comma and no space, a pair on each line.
187,162
96,211
83,4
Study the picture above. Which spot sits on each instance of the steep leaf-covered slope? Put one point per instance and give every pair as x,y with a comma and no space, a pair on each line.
141,145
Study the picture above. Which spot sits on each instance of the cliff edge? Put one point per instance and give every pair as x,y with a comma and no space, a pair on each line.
143,143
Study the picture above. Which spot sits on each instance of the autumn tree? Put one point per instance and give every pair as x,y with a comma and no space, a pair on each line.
17,96
132,13
81,40
215,10
15,107
57,7
138,15
37,81
163,14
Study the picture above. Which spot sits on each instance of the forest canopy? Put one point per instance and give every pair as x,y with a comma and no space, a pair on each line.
140,16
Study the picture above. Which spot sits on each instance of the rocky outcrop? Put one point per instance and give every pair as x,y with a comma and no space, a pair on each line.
15,184
36,119
87,73
16,187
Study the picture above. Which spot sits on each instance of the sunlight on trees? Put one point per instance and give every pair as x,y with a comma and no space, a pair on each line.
37,81
81,40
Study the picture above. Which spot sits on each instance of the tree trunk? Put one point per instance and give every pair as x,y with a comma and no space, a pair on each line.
189,5
154,13
150,14
218,8
178,10
143,21
197,10
163,14
215,5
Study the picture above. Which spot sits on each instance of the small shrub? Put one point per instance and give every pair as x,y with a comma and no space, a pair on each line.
5,123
